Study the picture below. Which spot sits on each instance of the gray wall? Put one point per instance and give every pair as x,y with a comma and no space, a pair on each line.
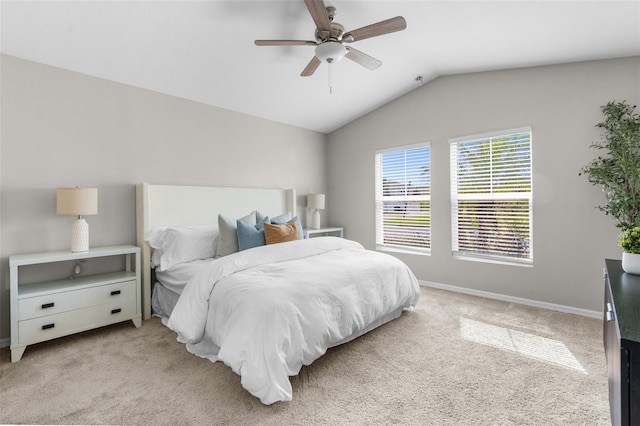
561,104
61,128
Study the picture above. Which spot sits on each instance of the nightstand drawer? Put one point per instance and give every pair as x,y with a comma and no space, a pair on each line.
51,304
49,327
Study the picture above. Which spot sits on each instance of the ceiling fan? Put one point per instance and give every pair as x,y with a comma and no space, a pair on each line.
332,43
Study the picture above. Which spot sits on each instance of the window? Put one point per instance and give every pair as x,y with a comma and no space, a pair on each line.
403,199
491,197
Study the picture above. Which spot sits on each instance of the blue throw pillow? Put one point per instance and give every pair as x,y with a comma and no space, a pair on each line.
295,219
250,236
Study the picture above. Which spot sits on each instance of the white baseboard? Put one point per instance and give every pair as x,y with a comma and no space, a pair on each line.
5,342
512,299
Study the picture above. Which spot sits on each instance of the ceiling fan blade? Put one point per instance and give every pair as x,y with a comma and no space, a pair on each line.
285,43
319,14
362,58
383,27
311,67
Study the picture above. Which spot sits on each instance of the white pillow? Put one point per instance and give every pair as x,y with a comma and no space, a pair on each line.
154,239
178,244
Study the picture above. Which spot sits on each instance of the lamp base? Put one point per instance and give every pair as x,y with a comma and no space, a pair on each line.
79,236
315,224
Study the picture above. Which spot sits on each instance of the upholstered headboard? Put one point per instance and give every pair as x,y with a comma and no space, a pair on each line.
169,205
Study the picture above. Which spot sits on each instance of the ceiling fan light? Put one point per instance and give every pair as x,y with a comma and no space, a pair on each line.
330,51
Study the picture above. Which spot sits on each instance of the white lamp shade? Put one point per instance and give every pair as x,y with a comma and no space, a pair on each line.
330,51
77,201
315,201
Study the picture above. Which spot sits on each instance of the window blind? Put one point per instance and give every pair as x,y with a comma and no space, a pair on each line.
403,199
491,196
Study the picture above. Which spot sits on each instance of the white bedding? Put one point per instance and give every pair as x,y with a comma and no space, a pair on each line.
170,283
269,310
176,278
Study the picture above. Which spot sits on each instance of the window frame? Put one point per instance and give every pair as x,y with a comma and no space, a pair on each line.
380,198
489,196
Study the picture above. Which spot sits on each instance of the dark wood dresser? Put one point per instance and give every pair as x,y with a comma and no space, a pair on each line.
621,335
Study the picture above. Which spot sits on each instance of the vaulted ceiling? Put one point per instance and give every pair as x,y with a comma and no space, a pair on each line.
204,50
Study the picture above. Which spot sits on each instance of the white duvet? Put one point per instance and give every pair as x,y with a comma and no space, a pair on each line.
267,311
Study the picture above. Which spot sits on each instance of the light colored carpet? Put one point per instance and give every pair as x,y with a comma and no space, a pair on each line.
454,360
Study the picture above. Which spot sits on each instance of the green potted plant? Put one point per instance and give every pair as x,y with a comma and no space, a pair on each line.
630,243
617,170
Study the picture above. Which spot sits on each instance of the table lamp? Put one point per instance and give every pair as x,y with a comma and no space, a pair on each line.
315,202
78,202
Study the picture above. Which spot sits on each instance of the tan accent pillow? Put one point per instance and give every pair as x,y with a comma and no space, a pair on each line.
274,234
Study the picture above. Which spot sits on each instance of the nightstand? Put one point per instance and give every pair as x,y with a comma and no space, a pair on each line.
46,310
337,230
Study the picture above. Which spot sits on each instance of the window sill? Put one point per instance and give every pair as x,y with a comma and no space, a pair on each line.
482,259
405,250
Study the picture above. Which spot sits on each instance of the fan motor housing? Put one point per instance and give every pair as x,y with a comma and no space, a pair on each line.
336,32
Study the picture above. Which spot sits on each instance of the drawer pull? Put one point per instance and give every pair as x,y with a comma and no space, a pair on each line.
48,326
47,305
116,311
115,292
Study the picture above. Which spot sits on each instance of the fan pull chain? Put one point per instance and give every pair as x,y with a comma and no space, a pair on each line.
330,78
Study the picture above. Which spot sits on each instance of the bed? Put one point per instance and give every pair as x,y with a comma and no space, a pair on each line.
273,303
